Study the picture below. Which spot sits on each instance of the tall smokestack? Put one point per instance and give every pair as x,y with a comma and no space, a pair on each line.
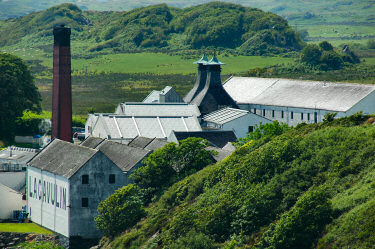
62,89
201,79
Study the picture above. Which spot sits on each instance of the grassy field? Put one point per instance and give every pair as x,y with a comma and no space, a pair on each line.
23,228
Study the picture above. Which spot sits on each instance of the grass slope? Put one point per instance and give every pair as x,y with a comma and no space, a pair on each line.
23,228
312,187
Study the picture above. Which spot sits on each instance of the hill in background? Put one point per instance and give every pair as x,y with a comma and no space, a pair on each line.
248,30
330,11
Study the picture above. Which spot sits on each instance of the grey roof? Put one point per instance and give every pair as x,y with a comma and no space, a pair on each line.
297,93
140,142
221,153
153,97
156,143
19,155
92,142
13,180
224,115
124,156
62,158
158,109
217,138
128,127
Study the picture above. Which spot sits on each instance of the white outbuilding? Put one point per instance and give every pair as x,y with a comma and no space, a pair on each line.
295,101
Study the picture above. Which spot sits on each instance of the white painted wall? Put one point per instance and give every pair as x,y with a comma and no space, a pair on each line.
366,105
48,200
11,200
240,126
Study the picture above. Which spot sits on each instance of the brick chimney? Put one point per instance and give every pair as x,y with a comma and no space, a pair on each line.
62,89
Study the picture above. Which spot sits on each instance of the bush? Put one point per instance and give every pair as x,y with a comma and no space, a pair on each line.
311,54
193,240
302,225
326,46
371,44
119,211
330,60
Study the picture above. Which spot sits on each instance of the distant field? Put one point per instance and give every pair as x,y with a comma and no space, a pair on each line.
23,228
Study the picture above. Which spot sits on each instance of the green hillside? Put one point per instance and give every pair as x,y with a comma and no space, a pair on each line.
294,10
247,30
311,187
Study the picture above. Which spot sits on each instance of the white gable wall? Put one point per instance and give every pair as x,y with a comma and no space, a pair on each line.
48,200
366,105
12,200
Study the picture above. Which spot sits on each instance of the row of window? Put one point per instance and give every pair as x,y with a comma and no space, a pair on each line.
111,179
291,115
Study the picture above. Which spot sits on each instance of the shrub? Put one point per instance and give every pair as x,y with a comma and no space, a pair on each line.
371,44
326,46
311,54
302,225
193,240
119,211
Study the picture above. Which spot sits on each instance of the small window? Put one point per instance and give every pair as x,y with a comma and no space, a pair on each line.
273,113
301,115
255,110
85,202
112,178
308,116
315,117
282,114
264,112
251,128
85,179
291,115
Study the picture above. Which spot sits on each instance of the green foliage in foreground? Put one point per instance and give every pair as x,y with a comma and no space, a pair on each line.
39,245
312,186
119,211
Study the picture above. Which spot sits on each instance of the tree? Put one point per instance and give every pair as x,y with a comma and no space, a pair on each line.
326,46
119,211
171,163
311,54
331,60
17,93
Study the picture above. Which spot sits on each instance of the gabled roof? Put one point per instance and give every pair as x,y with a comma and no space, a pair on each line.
124,156
148,143
19,155
215,137
297,93
225,115
92,142
158,109
62,158
154,96
128,127
140,142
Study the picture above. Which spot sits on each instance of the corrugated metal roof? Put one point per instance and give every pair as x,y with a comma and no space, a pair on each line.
217,138
62,158
146,126
92,142
297,93
159,109
224,115
153,97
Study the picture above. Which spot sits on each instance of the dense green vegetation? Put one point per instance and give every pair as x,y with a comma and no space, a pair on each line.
17,93
310,187
250,31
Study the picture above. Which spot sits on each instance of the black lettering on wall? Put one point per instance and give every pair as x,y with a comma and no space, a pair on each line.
35,192
64,198
53,193
44,191
30,192
48,191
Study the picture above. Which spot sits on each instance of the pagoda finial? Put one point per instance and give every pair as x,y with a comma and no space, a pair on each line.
203,60
215,61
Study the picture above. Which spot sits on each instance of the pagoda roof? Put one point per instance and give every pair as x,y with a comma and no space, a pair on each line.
215,61
203,60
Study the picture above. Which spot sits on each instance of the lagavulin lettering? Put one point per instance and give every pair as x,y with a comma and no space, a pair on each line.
47,192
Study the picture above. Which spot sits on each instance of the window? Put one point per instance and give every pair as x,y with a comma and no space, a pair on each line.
264,112
251,129
315,117
85,202
85,179
255,110
291,115
282,114
301,115
112,178
308,116
273,113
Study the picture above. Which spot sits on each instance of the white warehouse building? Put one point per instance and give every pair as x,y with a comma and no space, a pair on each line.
296,101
